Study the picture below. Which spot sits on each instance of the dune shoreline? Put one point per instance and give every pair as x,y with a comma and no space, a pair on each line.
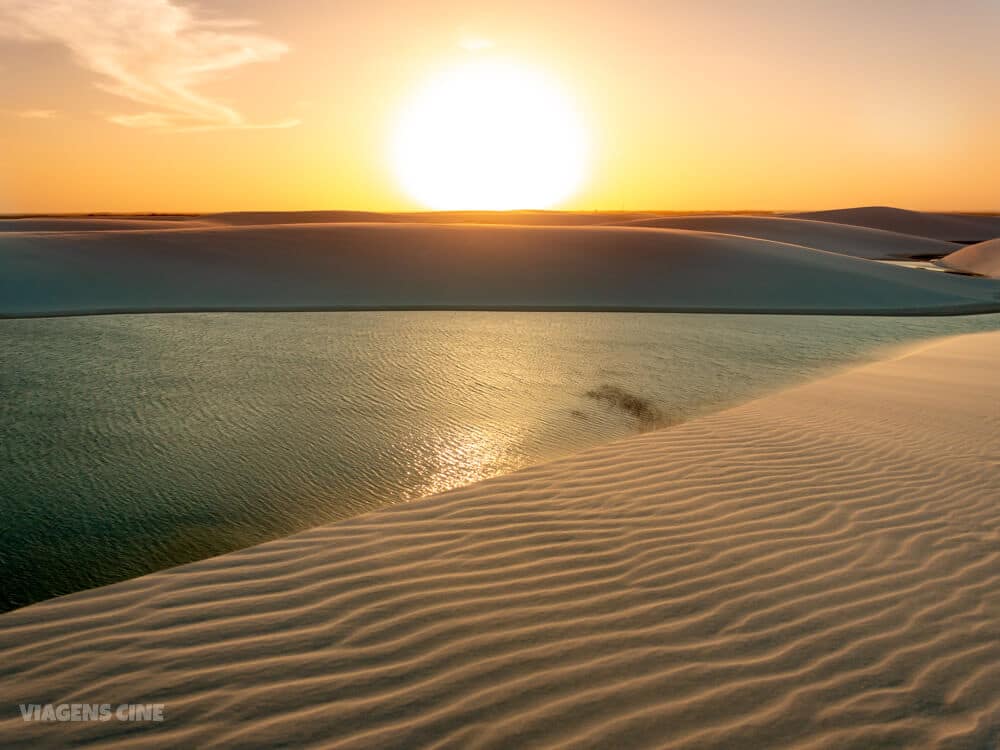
817,566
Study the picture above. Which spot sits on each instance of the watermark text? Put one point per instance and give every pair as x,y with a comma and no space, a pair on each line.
92,711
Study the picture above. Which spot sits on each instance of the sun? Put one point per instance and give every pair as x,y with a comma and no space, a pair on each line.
490,135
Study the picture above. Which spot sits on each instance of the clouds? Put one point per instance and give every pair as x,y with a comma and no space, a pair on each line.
36,114
152,52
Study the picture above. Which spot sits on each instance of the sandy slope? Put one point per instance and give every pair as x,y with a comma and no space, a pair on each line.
330,266
939,226
982,258
860,242
816,569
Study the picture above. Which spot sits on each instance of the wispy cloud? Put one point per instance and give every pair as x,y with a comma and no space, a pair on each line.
153,52
36,114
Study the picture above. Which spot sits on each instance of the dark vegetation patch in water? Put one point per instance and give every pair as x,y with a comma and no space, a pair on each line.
644,410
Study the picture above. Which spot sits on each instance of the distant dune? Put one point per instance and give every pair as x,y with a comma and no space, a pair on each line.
524,218
938,226
266,218
942,227
982,258
84,224
366,266
860,242
263,218
816,569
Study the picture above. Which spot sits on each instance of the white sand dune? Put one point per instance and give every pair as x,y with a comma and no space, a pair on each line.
982,258
860,242
816,569
365,266
939,226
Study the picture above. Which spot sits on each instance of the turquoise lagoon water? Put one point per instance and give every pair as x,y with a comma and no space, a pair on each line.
133,443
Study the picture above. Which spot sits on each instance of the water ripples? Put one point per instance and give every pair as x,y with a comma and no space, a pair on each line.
133,443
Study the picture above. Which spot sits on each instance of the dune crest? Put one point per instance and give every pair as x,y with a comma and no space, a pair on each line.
861,242
819,568
519,218
938,226
94,224
982,258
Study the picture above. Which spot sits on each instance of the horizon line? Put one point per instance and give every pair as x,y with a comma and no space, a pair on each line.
417,211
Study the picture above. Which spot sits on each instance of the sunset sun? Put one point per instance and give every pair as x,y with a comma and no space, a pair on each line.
492,135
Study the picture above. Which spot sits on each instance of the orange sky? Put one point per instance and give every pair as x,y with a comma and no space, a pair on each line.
155,105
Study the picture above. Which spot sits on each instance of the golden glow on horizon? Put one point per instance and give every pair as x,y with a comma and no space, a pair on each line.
489,134
685,105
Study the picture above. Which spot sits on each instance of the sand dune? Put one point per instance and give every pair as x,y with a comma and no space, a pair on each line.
521,218
264,218
926,231
982,258
816,569
939,226
356,266
87,224
860,242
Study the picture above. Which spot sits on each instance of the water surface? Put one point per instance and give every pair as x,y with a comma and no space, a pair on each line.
136,442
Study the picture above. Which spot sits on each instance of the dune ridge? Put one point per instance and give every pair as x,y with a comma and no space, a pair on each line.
861,242
457,266
936,226
47,224
818,568
103,222
983,258
522,218
950,227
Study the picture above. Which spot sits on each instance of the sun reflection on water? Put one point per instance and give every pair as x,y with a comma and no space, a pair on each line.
479,454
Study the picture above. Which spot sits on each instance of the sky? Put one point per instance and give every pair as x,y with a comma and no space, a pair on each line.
171,105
